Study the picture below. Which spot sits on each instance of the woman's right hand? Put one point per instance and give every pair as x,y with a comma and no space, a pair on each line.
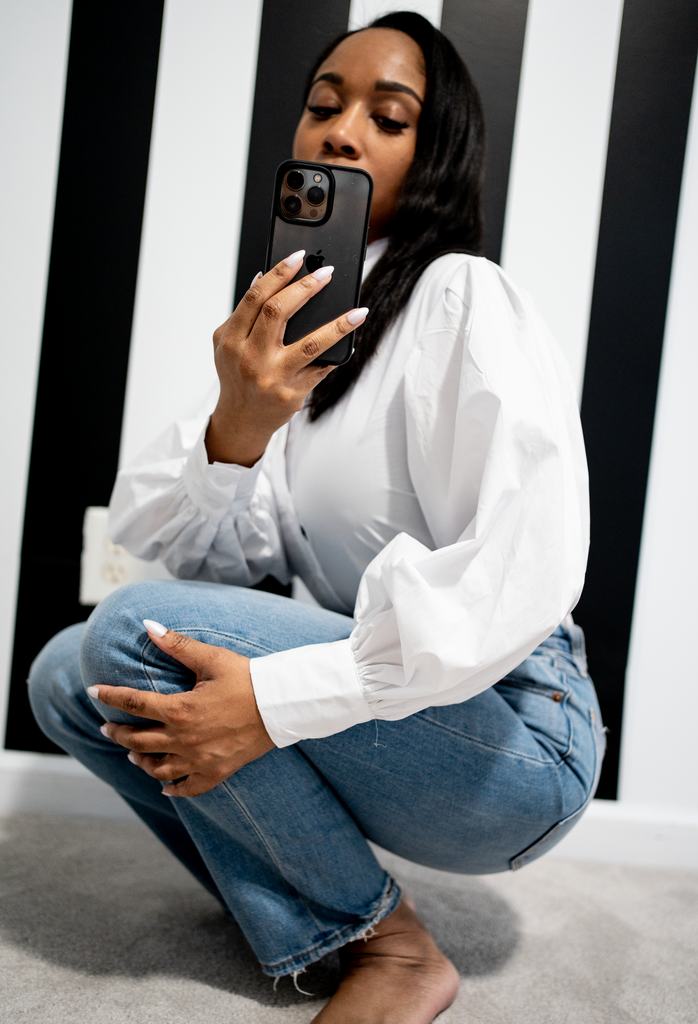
264,382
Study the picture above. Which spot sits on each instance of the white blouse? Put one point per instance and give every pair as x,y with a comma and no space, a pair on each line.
443,502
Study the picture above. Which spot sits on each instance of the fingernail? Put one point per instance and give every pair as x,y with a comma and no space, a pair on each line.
295,258
103,730
165,793
322,273
256,278
93,691
132,757
154,627
357,315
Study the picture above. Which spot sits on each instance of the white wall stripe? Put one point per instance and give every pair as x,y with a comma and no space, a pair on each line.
362,12
659,752
191,227
559,159
34,36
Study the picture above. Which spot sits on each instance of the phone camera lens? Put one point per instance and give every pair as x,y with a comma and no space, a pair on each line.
295,181
316,195
292,205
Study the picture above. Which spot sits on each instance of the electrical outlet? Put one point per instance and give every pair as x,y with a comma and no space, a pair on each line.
106,566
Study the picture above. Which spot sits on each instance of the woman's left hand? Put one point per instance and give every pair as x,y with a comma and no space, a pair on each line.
207,733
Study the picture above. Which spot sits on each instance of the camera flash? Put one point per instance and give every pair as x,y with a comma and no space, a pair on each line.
317,177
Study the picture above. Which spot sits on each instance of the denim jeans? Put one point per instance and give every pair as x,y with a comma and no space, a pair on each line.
477,787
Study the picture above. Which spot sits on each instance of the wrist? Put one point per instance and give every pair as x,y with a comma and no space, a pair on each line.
230,441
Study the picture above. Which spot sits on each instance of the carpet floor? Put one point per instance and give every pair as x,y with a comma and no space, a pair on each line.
100,925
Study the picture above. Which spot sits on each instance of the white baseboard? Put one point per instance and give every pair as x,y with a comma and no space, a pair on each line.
610,832
617,832
54,784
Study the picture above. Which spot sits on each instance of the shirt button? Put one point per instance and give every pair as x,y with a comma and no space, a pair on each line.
557,697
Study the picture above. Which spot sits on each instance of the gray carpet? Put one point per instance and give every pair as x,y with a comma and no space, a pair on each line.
99,925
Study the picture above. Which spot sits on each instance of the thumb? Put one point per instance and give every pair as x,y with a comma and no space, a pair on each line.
196,656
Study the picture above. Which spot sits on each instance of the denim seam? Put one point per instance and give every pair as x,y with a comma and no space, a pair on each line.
199,629
384,906
265,843
491,746
564,703
229,636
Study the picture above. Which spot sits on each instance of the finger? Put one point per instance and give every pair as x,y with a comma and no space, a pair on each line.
142,703
194,785
148,741
278,309
264,286
200,658
164,769
305,351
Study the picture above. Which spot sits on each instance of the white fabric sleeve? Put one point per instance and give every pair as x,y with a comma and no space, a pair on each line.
205,522
497,461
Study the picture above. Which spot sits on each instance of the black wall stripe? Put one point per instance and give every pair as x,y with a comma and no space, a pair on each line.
110,91
290,40
649,122
489,36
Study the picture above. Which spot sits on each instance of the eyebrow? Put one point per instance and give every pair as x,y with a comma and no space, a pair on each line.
380,86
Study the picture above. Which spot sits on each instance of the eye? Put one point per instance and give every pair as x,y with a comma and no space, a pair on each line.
323,112
387,124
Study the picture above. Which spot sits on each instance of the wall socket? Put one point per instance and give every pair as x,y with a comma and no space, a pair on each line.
105,566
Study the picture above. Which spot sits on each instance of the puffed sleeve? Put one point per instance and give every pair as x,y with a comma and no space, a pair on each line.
214,522
497,461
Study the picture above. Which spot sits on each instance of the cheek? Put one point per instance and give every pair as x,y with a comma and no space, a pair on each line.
393,168
304,141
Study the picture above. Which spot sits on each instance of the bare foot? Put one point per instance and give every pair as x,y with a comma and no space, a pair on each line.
399,976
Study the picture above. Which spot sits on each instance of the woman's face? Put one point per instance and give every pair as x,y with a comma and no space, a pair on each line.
363,110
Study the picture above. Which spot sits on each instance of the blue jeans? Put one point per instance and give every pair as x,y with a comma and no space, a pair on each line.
478,787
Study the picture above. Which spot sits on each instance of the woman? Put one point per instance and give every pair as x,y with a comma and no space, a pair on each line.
439,475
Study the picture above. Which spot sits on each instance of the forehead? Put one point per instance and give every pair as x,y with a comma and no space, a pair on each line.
378,53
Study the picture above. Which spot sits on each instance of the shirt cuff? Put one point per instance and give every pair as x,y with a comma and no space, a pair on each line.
219,488
309,692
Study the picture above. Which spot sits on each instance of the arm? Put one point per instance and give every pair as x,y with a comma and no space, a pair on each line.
199,498
497,461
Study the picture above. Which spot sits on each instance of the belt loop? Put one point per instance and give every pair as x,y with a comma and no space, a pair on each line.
578,644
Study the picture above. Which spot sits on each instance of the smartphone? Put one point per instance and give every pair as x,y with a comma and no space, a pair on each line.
325,210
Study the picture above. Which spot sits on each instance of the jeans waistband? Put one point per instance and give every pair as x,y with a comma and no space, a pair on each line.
569,635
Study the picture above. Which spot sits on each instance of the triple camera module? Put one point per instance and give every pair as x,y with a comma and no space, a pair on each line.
304,194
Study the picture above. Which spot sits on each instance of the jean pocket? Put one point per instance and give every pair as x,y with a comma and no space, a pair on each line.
553,836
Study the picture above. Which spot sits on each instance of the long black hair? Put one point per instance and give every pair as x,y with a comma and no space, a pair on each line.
439,209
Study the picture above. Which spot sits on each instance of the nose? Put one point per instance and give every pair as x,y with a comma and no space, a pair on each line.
343,136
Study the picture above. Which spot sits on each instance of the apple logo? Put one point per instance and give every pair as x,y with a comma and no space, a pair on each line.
314,262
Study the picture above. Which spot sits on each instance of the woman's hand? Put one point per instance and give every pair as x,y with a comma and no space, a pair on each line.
207,734
264,382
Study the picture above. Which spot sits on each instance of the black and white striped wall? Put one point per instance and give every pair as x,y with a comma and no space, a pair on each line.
140,139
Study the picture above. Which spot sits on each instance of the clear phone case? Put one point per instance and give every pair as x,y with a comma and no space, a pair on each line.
333,230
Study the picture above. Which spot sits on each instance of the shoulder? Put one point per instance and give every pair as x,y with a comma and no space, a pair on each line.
460,293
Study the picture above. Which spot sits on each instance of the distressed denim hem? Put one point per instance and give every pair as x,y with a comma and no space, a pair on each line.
384,905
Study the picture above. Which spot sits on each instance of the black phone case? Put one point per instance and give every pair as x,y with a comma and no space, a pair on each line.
339,240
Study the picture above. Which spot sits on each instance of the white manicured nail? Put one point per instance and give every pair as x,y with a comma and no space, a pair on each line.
132,757
322,273
357,315
295,258
154,627
256,278
93,691
103,730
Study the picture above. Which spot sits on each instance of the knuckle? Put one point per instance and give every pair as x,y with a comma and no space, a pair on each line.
133,703
311,348
180,642
271,311
252,298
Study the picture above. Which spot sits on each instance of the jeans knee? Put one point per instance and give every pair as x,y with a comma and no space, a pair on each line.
54,675
114,634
